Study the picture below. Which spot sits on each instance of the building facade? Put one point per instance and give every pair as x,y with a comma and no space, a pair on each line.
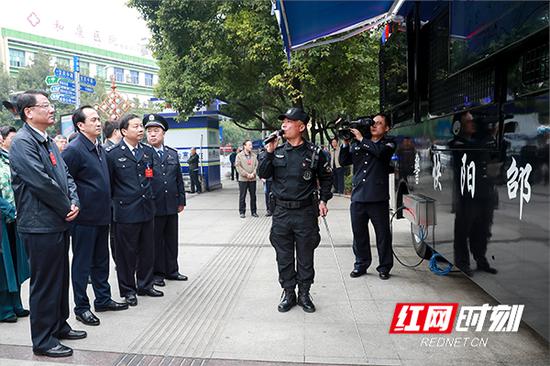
135,76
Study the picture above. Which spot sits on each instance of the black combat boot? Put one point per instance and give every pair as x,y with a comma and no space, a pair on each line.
288,300
304,300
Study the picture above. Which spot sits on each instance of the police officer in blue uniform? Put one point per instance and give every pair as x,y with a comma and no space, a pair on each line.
371,156
297,168
131,169
169,193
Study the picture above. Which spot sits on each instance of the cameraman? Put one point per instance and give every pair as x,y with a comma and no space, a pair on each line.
370,152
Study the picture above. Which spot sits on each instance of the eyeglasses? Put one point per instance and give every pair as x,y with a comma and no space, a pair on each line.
45,106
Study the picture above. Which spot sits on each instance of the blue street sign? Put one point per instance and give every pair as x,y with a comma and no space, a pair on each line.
67,91
88,80
86,89
67,84
54,88
63,73
54,96
76,64
67,100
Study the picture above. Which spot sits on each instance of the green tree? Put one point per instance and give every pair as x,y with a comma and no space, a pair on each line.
232,50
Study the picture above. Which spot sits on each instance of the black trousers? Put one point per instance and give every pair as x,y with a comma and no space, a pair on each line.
234,172
251,188
135,256
379,214
297,231
267,192
195,183
90,258
473,222
166,246
49,287
338,179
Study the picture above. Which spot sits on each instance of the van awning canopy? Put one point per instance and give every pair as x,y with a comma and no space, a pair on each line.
307,24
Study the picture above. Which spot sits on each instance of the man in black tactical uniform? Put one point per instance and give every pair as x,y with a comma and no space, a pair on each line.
371,156
297,168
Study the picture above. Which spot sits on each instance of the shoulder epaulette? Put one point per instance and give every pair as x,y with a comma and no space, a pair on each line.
170,148
111,147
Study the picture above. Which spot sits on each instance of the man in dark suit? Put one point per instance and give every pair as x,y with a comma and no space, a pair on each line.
131,169
46,201
87,164
169,200
370,153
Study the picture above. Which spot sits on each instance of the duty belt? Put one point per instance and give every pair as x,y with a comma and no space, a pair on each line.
293,204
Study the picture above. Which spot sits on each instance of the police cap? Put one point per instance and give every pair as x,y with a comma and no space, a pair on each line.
155,120
296,114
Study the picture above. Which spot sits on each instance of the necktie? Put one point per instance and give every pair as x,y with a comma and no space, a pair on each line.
161,154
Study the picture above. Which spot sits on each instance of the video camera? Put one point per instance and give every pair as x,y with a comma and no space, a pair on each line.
363,124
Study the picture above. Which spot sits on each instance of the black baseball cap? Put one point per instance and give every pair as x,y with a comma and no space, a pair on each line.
296,114
155,120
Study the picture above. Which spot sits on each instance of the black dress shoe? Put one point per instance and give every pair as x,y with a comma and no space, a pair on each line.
304,300
268,213
159,282
487,268
242,216
254,214
357,273
22,313
178,277
112,305
88,318
150,292
131,300
74,334
57,351
384,275
11,319
288,300
467,271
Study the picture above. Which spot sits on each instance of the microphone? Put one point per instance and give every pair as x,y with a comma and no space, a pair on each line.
273,136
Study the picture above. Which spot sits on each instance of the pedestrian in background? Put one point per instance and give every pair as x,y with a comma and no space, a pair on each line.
7,133
46,201
193,164
87,164
232,158
246,164
131,170
169,195
14,267
338,171
61,142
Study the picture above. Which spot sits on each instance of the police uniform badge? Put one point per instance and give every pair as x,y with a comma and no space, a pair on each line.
308,175
151,117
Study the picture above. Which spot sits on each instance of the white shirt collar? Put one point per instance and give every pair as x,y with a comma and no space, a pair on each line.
132,147
43,134
157,149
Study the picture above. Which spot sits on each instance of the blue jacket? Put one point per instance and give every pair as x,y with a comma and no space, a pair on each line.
371,168
167,182
91,175
131,189
44,191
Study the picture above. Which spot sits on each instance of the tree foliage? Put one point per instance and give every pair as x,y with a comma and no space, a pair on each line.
232,50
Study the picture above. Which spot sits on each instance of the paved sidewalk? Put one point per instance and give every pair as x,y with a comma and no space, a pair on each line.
226,314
